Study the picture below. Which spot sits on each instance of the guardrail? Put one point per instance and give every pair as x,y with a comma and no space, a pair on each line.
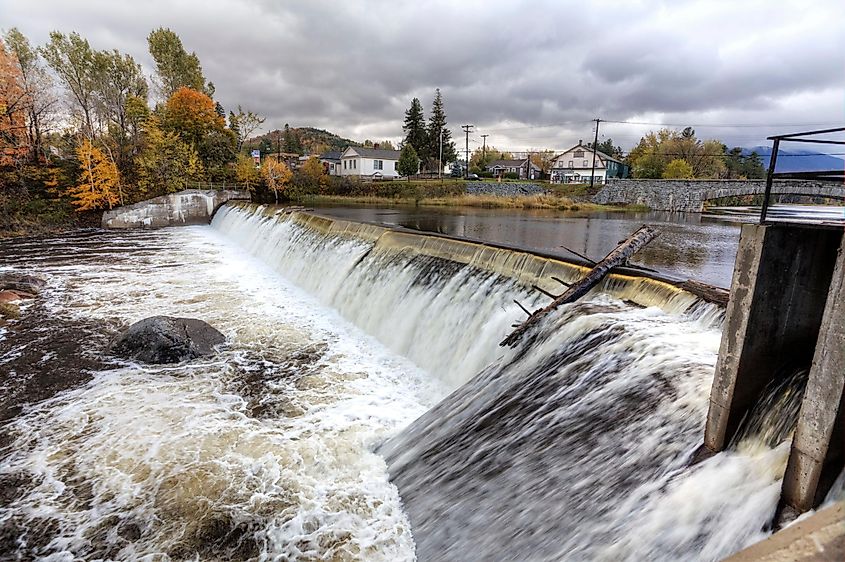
804,137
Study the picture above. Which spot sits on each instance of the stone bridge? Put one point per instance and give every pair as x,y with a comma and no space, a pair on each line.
690,195
192,206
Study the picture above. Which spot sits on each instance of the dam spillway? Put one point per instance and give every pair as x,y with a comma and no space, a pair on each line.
352,344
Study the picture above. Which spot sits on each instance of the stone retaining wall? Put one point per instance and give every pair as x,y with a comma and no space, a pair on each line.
690,195
504,189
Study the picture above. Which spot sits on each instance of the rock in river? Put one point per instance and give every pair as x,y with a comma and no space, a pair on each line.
21,282
165,339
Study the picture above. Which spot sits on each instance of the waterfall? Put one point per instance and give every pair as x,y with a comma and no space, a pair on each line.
576,445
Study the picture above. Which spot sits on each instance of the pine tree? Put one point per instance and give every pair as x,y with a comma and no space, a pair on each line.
99,181
414,127
436,124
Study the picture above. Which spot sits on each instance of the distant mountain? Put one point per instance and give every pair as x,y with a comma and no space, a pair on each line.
311,139
796,160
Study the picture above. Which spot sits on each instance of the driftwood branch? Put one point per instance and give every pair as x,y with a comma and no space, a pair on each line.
618,256
582,256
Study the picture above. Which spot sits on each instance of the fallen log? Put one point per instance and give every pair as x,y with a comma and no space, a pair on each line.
618,256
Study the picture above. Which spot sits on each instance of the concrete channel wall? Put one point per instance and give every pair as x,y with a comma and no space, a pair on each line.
191,206
690,195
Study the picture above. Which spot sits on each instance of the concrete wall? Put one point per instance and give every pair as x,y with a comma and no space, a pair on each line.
689,195
191,206
818,448
778,294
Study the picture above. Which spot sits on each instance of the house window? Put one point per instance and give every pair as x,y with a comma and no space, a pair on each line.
579,154
344,164
571,164
378,164
586,163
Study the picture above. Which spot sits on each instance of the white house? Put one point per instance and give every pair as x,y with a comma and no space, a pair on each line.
576,165
369,162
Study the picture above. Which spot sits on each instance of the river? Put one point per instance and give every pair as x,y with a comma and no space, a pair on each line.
361,408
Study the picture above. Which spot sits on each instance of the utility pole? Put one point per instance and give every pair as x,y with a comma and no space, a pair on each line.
595,145
440,160
484,148
467,129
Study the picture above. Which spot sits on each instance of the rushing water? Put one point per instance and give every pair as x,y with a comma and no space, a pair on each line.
574,446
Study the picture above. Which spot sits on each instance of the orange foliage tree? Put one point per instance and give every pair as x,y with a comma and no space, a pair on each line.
13,107
99,182
276,175
191,114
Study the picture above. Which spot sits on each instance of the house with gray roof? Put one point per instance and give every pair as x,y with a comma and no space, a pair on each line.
375,163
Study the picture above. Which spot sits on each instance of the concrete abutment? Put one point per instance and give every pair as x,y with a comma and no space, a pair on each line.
786,312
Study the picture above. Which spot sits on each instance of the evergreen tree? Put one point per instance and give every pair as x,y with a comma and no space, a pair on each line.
409,161
436,124
414,128
290,141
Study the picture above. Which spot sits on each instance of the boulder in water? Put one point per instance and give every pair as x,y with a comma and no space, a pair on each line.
165,339
22,282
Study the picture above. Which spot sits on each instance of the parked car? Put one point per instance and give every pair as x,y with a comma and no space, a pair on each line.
473,177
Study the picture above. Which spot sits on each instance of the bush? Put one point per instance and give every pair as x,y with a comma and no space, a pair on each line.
511,176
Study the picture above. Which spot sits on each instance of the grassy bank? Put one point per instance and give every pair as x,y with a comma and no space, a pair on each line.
553,202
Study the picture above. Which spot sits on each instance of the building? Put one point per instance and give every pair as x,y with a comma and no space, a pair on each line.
576,165
524,169
331,162
373,163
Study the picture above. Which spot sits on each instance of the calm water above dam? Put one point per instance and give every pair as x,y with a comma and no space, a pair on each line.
689,246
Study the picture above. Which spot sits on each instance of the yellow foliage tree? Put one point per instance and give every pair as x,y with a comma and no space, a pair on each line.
99,182
677,169
246,172
277,175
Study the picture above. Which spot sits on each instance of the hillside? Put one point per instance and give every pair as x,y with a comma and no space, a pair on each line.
798,160
309,140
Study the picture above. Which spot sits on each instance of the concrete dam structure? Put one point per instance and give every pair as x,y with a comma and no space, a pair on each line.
362,408
191,206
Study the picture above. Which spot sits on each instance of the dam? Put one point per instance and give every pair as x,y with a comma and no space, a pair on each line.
363,410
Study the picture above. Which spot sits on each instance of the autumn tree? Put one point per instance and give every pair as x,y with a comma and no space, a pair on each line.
13,105
677,169
37,86
276,175
247,173
192,116
436,126
175,67
481,158
415,130
120,80
99,181
409,161
166,162
78,67
656,149
243,124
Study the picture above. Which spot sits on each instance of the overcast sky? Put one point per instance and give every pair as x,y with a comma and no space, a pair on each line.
510,68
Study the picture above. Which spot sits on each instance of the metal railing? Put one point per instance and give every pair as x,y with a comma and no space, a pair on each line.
804,137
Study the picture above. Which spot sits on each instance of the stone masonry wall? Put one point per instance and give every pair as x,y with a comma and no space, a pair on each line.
690,195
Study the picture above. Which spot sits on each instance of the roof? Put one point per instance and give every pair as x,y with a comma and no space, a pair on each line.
331,155
599,153
379,153
506,163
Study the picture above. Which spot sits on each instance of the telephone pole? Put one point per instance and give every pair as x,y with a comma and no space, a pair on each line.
595,145
484,148
467,129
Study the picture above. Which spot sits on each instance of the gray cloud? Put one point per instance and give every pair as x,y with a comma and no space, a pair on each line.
508,67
